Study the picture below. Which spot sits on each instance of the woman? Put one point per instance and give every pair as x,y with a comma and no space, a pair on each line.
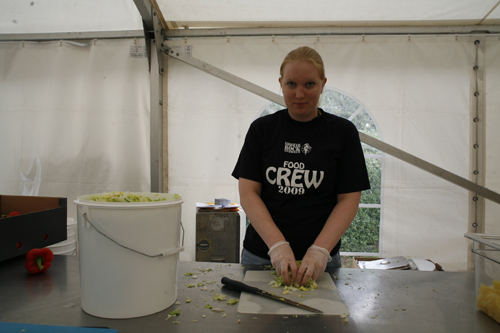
300,176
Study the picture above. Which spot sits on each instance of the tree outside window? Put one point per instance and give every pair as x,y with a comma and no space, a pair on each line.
362,237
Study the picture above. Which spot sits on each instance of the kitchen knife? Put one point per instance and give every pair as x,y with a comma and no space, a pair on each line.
240,286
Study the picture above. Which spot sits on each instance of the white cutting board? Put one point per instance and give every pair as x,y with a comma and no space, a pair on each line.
326,298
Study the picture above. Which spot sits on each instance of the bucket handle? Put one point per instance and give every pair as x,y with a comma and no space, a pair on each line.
165,253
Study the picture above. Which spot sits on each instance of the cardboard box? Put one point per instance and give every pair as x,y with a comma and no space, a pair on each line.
43,222
218,236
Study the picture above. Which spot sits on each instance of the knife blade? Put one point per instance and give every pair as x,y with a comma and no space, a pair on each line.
240,286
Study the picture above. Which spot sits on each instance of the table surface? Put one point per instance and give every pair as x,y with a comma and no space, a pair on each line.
378,301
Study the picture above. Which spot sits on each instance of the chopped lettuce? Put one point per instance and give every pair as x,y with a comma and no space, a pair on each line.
279,282
117,196
175,313
219,297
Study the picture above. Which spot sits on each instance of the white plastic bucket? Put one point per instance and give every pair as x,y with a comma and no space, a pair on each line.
68,247
128,255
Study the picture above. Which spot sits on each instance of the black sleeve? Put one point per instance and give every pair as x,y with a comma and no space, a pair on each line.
249,162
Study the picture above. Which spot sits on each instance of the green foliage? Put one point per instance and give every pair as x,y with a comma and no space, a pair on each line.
338,104
363,234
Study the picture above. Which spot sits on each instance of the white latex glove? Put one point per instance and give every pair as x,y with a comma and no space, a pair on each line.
313,264
282,258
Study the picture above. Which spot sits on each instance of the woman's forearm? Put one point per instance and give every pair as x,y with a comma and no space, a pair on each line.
339,220
257,212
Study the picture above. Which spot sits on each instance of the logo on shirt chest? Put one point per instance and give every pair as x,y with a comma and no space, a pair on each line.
297,148
294,178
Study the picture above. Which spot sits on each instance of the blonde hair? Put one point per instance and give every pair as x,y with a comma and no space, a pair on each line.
304,53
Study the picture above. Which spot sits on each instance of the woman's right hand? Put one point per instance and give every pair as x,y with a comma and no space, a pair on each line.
283,260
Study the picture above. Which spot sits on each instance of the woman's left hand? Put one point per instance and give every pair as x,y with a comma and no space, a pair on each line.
313,264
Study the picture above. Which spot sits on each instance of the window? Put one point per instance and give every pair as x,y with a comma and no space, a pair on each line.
363,235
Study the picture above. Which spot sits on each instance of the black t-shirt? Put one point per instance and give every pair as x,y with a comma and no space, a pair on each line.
302,167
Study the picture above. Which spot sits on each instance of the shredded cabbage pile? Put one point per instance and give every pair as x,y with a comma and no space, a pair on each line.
116,196
293,287
279,282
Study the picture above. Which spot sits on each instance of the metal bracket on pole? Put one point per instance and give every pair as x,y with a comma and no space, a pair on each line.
159,32
153,28
386,148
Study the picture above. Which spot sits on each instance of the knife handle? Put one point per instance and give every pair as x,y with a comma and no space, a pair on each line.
237,285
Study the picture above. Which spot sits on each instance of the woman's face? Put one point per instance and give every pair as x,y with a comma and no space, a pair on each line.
302,87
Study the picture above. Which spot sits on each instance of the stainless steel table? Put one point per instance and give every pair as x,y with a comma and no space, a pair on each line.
379,301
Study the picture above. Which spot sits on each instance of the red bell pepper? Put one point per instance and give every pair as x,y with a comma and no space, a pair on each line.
14,213
39,260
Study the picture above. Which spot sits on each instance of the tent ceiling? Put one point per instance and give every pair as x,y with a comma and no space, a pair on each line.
292,13
58,16
62,16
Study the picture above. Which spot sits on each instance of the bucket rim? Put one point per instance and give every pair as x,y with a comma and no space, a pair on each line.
83,200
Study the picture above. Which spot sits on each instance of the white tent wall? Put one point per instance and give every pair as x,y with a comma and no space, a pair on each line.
418,89
74,118
492,121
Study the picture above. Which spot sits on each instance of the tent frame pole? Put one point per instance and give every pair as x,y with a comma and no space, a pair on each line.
154,35
468,30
